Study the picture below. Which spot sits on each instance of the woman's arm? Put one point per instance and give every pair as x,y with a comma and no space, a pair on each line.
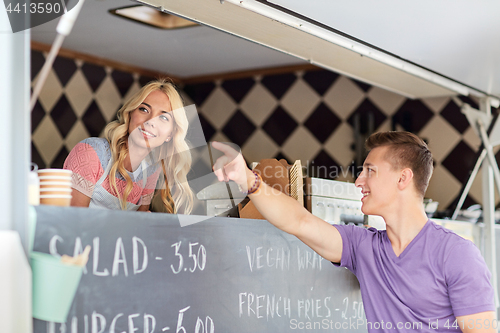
79,199
84,162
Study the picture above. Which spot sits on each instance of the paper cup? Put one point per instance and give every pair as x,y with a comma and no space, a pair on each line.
55,191
54,179
54,287
55,172
50,184
55,200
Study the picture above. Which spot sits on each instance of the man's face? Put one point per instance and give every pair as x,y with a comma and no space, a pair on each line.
378,182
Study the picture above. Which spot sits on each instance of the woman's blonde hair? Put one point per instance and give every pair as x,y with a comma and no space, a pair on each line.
174,156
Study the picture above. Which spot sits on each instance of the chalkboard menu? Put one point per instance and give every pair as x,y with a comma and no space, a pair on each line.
148,274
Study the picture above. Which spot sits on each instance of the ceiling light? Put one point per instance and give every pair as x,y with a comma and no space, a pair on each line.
152,17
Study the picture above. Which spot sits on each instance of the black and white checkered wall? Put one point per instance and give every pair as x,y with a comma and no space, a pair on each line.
306,115
77,101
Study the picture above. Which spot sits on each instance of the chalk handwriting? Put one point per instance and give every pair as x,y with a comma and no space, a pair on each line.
135,322
258,258
199,257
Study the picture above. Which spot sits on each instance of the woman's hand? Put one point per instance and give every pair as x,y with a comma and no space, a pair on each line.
230,166
144,208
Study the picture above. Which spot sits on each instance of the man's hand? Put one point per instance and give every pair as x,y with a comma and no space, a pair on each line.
230,166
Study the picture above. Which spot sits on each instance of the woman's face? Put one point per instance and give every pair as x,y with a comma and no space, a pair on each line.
152,123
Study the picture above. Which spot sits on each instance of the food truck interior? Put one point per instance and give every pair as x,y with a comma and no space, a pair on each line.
282,79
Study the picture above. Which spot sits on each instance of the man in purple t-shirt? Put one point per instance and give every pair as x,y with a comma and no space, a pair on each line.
415,275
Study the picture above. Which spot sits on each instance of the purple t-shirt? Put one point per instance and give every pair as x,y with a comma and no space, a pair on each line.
438,276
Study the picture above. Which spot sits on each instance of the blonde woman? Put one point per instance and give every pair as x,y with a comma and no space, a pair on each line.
145,144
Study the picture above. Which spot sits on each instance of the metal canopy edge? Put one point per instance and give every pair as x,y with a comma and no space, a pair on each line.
252,21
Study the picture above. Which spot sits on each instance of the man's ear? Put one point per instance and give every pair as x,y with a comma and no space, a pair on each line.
405,178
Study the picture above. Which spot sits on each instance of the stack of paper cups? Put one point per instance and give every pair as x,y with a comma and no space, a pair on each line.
55,187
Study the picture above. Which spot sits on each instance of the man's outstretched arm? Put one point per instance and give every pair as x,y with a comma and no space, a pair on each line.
279,209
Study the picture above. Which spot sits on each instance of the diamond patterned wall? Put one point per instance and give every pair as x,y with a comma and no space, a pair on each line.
77,101
308,115
314,115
